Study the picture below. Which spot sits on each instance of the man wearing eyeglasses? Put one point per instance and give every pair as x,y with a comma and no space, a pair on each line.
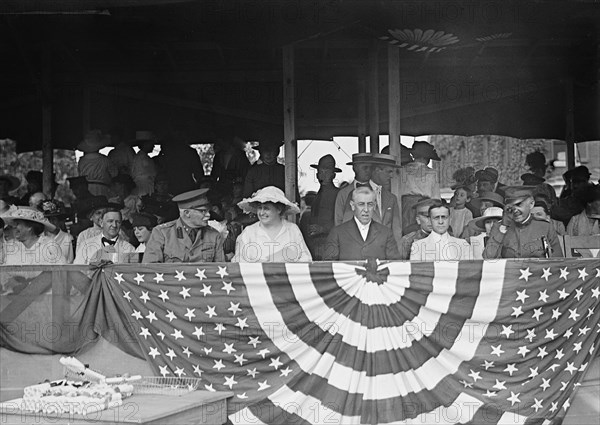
188,239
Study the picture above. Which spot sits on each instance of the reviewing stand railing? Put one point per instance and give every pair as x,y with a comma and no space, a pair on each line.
47,310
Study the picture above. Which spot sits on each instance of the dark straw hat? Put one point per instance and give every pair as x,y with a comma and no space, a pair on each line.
422,149
360,158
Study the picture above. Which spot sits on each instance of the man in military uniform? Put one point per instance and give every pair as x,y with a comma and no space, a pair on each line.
519,234
424,223
188,239
323,207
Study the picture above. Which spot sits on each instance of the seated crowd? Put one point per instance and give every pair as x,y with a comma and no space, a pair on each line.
125,211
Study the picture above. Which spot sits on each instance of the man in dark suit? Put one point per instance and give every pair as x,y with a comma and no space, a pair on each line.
361,237
386,210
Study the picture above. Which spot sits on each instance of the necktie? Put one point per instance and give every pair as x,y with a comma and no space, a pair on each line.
107,241
378,203
193,233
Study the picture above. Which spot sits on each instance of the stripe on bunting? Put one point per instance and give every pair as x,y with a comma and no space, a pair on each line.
373,293
346,354
307,358
414,296
382,338
313,411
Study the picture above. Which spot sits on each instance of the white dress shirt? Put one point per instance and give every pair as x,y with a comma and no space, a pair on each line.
436,247
363,228
93,250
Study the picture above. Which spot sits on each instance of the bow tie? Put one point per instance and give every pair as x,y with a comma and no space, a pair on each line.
363,185
106,241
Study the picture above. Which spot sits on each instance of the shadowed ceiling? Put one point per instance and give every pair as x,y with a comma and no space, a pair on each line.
197,71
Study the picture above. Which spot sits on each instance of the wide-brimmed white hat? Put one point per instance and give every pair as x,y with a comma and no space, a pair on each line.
29,214
268,194
491,212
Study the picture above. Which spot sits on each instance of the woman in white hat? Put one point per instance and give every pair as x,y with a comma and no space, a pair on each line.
272,239
484,223
29,245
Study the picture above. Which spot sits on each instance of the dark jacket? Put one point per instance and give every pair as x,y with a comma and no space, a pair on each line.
170,243
345,243
522,240
407,241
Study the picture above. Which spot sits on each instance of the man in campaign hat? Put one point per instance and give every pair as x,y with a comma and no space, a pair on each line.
188,239
267,171
323,207
519,234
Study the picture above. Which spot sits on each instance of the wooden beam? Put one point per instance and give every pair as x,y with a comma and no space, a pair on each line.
87,108
570,124
47,149
394,100
289,125
393,59
185,103
374,96
424,110
362,117
19,101
22,49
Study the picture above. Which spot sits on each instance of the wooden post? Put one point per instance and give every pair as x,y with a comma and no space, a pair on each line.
485,153
393,57
374,97
87,109
570,125
362,117
46,100
289,125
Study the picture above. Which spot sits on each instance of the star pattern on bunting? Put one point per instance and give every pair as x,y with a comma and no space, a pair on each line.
186,325
552,345
199,322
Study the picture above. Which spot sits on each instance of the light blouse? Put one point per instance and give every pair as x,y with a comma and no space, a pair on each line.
254,245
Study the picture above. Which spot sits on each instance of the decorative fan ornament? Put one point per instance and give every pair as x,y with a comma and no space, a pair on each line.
491,37
420,41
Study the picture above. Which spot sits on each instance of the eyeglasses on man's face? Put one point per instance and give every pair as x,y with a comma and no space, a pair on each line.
202,211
